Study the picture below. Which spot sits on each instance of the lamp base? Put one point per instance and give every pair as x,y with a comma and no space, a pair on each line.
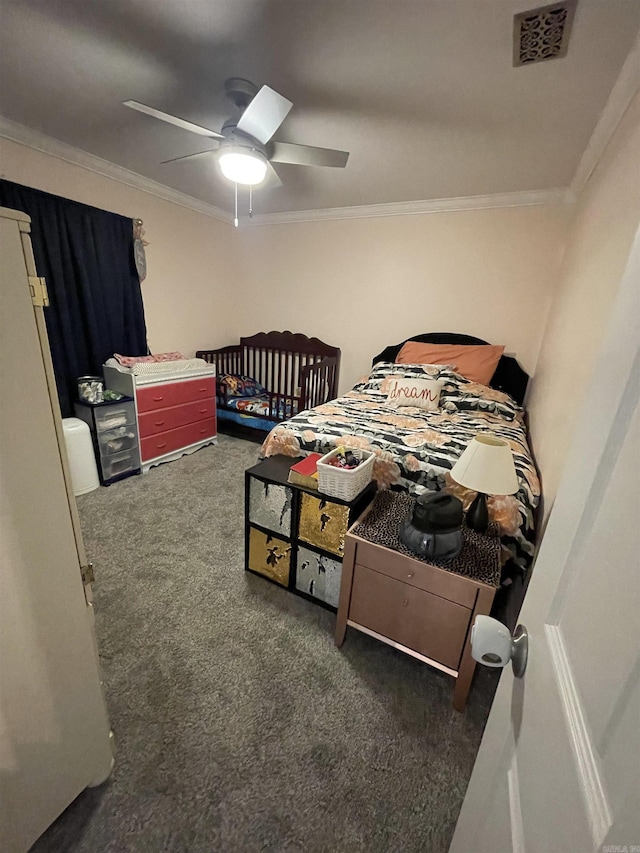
478,515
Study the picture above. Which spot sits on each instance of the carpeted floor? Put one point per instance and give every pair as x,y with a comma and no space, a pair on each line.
239,725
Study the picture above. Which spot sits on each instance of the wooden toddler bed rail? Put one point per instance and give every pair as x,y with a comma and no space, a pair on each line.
297,372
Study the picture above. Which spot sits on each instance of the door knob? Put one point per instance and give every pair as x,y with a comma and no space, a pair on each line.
493,645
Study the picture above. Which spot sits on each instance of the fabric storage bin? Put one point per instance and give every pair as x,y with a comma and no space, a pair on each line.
345,483
269,555
270,506
318,575
323,523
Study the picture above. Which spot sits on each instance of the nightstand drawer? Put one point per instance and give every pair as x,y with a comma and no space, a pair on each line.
174,394
428,624
152,423
416,573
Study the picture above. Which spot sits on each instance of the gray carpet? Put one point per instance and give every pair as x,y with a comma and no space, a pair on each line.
239,725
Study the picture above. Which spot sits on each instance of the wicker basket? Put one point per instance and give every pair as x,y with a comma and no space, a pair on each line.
345,483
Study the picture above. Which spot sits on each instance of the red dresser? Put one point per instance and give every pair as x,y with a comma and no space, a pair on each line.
174,417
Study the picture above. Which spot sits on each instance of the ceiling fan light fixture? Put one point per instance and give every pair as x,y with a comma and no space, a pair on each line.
243,165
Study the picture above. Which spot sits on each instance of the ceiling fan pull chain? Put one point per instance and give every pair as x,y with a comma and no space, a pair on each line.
250,202
235,219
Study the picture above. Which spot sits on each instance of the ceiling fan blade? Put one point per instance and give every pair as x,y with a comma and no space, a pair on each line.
307,155
178,122
189,156
264,115
271,179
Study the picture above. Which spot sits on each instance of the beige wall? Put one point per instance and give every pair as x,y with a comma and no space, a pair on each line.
362,284
607,216
359,284
190,259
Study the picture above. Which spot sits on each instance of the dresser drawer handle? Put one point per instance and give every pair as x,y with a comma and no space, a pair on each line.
411,574
158,423
164,444
202,390
158,399
405,603
203,411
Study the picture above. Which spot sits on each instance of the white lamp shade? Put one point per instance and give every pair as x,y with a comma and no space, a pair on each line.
243,165
487,466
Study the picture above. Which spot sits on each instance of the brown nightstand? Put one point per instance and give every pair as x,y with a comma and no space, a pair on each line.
425,609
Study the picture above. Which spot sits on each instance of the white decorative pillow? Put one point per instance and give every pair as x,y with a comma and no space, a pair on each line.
420,393
381,377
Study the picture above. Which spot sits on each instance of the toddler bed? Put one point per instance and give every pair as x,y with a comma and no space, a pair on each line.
415,447
269,377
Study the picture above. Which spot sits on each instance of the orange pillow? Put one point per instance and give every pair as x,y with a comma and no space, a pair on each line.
476,362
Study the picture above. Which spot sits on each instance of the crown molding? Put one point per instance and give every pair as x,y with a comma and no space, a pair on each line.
406,208
48,145
40,142
624,89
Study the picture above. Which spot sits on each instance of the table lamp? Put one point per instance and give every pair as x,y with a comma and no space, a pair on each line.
487,467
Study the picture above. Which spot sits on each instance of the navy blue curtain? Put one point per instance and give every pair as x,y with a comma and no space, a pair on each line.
86,256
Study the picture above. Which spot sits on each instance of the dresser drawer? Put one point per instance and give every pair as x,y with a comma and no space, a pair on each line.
428,624
175,439
151,423
174,393
416,573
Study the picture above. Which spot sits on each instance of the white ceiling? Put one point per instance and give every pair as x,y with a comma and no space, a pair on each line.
421,92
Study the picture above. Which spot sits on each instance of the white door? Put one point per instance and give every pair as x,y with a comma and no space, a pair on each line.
558,769
54,730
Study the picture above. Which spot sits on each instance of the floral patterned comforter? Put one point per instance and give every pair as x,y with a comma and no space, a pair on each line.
416,449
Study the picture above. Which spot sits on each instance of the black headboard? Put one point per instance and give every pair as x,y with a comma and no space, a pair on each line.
509,376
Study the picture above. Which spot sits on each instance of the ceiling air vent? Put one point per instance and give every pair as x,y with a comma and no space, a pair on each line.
542,33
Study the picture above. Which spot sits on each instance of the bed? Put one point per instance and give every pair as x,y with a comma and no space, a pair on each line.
416,448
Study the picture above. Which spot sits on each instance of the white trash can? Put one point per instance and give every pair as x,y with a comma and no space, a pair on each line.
82,461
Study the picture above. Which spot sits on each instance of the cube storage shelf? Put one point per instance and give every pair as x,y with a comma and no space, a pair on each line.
295,536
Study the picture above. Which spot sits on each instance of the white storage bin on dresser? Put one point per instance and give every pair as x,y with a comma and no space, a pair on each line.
175,416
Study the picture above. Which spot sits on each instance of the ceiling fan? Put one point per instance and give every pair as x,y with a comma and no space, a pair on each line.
246,149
